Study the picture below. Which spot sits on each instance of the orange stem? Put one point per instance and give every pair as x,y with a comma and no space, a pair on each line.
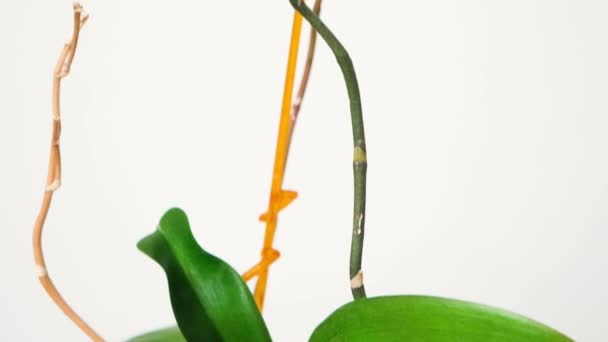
279,198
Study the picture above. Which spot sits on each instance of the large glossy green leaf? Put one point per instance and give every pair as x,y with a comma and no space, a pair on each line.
210,301
429,319
164,335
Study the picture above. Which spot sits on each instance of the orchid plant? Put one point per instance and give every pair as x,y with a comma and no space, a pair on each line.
211,300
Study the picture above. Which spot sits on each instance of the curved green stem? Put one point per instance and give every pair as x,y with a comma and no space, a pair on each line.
359,160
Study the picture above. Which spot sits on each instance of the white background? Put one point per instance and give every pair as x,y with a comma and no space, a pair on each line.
488,157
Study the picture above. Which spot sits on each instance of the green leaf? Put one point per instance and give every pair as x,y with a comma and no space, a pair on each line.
164,335
429,319
210,301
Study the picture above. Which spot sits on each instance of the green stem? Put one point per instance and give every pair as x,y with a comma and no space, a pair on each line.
359,160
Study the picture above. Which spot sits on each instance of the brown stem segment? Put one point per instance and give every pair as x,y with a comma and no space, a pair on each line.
297,102
62,68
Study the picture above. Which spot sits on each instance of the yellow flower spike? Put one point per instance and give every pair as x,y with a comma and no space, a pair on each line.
279,198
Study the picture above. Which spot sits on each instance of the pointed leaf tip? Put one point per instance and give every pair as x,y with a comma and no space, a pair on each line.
210,300
175,221
173,226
